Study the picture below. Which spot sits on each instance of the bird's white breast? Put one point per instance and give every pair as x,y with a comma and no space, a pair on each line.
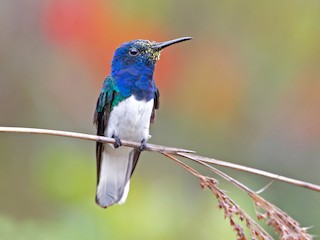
130,119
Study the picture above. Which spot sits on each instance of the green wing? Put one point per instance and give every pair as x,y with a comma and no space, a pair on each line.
108,98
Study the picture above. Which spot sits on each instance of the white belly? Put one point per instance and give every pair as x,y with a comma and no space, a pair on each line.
130,120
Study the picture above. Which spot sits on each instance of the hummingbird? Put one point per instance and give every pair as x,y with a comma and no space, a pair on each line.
125,108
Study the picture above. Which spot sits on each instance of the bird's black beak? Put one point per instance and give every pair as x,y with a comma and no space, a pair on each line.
162,45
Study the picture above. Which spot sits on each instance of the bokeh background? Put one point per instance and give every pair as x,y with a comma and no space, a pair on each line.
246,89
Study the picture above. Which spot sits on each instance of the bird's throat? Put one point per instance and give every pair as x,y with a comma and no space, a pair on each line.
136,82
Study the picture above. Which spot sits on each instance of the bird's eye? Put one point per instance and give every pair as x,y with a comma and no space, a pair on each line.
133,51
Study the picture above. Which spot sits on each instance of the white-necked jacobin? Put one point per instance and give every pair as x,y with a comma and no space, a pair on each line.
125,108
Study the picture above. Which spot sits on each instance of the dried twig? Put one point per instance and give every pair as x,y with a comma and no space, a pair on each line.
95,138
163,149
251,170
231,209
282,223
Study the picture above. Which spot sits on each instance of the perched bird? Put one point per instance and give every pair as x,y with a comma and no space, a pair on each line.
125,108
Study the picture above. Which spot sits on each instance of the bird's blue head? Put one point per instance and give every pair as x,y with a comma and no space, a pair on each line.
134,62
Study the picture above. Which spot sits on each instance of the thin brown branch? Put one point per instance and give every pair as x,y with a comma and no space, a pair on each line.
282,223
163,149
252,170
95,138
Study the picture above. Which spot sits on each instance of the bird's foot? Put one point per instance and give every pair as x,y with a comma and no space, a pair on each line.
143,145
117,142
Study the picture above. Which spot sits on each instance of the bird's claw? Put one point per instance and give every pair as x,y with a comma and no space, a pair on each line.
117,142
143,145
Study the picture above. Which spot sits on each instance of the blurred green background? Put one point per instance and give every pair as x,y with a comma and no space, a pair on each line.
246,89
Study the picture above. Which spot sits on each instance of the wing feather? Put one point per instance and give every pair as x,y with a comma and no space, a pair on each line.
156,105
101,116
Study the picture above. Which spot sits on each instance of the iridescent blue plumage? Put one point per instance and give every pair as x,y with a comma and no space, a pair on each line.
134,74
125,108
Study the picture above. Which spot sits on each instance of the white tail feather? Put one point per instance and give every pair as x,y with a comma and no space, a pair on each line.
115,172
125,193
